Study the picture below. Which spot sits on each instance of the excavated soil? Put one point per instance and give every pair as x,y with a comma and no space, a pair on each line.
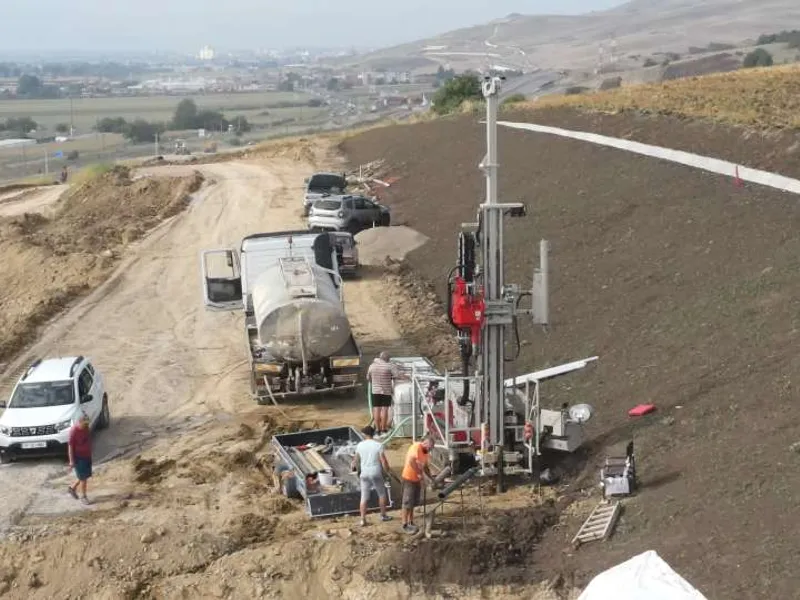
686,287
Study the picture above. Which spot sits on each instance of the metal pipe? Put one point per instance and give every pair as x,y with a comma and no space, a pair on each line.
458,482
443,474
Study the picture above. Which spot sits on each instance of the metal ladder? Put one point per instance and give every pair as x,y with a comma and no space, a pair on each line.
599,524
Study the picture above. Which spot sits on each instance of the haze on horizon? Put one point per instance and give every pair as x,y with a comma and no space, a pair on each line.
47,26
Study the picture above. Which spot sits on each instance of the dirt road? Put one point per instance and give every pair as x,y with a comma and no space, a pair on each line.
165,358
31,200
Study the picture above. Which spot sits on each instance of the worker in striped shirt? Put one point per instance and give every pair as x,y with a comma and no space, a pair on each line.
382,374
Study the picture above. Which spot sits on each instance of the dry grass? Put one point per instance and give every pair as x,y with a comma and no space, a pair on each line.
767,97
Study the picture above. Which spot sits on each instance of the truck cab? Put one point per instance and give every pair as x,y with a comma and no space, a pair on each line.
229,277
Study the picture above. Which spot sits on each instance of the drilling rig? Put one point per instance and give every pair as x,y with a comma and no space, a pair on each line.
488,424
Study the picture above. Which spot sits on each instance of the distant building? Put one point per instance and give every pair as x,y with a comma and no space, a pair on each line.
16,143
206,53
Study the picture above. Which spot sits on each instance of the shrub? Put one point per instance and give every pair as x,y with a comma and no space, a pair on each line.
454,92
758,58
575,89
514,99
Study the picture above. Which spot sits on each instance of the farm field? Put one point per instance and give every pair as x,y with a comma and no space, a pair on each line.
685,286
258,107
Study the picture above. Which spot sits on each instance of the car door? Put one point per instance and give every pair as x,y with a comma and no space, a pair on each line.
349,212
222,279
98,387
373,211
361,211
88,402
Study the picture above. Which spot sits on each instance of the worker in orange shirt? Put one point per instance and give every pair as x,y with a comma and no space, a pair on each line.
415,466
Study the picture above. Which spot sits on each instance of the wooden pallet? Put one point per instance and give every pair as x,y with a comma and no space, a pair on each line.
599,524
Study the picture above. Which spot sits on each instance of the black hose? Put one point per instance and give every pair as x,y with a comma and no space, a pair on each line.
450,296
516,330
465,372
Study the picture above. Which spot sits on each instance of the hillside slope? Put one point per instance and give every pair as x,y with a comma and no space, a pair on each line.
686,287
638,27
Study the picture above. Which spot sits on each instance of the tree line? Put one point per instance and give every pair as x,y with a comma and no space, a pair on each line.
187,116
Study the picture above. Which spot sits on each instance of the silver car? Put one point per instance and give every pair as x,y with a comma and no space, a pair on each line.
321,185
347,213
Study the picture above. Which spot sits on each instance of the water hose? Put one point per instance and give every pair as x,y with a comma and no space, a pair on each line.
395,429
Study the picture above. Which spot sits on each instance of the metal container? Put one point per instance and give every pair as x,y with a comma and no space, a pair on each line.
298,311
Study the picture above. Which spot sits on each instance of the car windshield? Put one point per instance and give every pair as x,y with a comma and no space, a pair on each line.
324,183
328,204
40,395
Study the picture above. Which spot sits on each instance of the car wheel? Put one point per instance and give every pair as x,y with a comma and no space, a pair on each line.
386,219
352,227
105,415
5,458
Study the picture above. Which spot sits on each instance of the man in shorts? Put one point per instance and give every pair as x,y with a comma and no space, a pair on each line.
79,448
371,464
415,466
382,374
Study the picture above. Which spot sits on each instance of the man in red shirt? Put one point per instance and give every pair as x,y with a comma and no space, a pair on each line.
79,448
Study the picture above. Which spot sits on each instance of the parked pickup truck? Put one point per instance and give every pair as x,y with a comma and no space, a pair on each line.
320,185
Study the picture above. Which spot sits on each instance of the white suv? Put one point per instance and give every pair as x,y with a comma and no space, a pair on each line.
46,402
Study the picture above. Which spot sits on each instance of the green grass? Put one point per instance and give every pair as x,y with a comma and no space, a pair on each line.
87,111
90,172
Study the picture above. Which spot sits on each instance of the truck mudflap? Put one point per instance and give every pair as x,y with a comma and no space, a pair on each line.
323,451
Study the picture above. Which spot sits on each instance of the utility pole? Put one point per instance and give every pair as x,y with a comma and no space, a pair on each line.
46,163
71,118
156,145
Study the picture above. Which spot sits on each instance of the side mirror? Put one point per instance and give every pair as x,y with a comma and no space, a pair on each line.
306,180
87,398
229,259
2,403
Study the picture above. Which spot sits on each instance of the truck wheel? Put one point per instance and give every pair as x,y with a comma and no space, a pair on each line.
105,416
385,220
352,227
5,458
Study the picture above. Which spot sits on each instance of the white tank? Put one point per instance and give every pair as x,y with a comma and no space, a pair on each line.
298,311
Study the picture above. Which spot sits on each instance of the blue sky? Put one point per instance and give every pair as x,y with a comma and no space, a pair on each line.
96,25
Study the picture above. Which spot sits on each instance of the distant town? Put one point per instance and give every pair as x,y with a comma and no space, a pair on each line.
206,72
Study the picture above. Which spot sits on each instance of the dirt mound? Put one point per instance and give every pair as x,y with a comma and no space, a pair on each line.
76,248
492,551
415,306
150,470
377,244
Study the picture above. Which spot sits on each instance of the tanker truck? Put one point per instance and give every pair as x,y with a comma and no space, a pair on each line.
298,336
